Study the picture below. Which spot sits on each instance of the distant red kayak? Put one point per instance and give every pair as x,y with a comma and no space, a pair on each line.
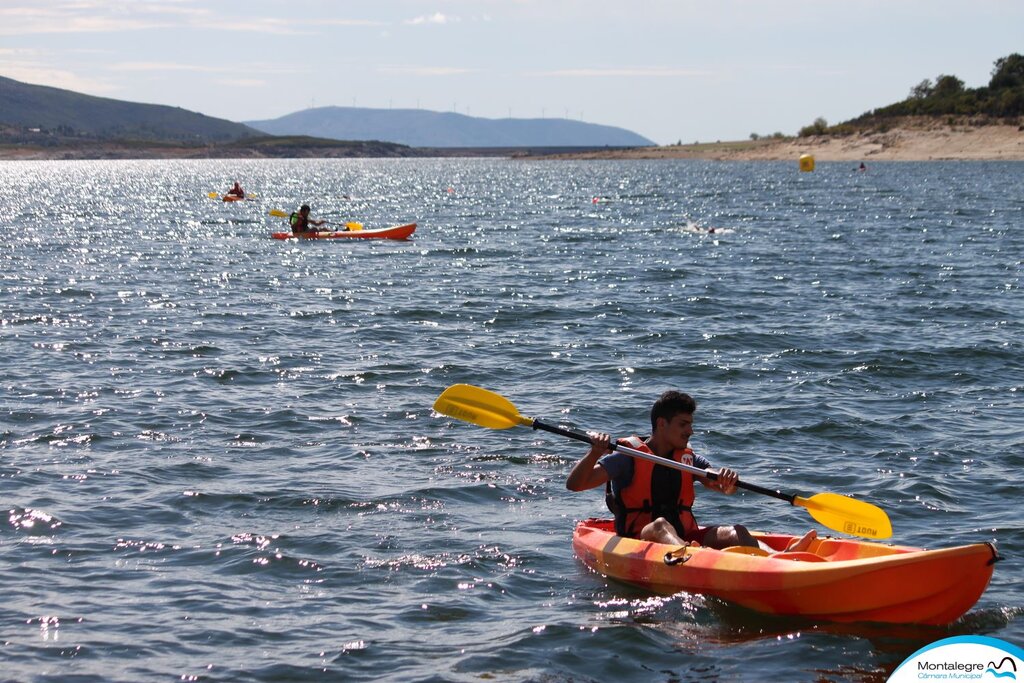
397,232
232,198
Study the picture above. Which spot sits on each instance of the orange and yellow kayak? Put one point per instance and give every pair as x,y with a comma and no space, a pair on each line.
834,580
397,232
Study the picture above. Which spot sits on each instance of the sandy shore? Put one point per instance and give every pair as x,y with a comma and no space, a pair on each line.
978,143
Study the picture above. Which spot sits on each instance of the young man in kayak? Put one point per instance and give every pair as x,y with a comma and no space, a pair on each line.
236,191
653,502
301,221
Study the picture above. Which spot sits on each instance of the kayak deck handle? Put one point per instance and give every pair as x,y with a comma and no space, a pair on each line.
672,559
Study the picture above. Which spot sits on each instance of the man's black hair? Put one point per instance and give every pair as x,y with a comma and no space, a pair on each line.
670,404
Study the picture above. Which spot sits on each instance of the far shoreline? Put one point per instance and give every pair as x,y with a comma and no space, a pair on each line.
934,142
990,142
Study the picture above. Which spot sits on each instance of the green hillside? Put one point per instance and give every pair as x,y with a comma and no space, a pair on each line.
31,111
947,98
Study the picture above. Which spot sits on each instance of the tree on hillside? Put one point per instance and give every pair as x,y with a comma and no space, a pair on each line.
1009,72
947,86
922,90
819,127
1003,98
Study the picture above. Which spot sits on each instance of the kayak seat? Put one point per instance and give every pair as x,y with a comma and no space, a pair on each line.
799,556
746,550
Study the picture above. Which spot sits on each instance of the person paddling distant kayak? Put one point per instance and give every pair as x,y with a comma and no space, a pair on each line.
301,222
653,502
236,191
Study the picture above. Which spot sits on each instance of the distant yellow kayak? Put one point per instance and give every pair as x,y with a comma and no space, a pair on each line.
229,197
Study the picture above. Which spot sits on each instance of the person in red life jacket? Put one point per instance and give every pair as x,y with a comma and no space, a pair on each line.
301,222
236,191
653,502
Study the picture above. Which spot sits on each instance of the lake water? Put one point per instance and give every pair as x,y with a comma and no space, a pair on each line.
220,462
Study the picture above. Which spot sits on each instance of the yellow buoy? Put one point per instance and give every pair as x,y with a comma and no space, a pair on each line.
806,162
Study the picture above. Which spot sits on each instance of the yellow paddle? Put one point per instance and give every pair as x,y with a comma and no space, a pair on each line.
839,513
281,214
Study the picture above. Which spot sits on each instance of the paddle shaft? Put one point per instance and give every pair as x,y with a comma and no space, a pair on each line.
488,409
658,460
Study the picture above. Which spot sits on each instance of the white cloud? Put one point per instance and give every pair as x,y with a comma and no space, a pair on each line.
435,18
165,66
633,72
42,74
426,70
282,27
243,82
48,17
18,21
349,22
241,71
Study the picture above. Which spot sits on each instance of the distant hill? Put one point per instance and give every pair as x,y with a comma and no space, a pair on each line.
422,128
68,115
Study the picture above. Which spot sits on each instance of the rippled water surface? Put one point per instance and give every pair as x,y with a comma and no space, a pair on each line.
219,461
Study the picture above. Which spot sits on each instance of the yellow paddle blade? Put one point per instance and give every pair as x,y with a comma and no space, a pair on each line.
212,195
850,516
480,407
279,213
354,226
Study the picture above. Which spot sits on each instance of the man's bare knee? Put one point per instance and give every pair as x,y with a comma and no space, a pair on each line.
660,531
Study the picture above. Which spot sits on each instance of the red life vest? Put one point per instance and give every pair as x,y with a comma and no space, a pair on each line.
655,491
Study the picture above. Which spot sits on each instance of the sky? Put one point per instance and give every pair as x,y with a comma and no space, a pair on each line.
670,70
